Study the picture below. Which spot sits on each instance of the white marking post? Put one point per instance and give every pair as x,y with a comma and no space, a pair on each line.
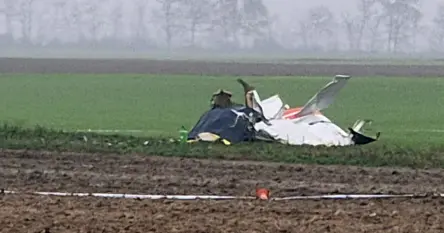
110,130
424,130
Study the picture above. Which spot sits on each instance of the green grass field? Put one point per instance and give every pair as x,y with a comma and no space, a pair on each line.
407,111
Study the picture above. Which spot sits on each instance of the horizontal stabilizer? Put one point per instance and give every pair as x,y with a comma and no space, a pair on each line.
361,139
359,124
358,137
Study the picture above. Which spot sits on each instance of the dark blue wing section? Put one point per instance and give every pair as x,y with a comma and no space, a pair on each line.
222,121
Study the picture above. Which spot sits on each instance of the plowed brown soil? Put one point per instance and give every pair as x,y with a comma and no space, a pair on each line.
145,66
65,214
44,171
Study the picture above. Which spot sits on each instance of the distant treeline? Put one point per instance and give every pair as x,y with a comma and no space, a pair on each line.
376,26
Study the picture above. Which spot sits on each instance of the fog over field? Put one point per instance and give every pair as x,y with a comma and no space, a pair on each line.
286,27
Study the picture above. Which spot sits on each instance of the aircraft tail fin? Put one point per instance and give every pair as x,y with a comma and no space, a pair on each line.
325,96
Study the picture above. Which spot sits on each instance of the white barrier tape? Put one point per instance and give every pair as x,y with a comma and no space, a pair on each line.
132,196
216,197
349,196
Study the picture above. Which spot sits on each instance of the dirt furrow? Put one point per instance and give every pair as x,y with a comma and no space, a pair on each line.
28,170
66,214
145,66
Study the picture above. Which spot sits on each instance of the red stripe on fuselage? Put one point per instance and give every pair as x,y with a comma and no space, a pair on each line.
292,113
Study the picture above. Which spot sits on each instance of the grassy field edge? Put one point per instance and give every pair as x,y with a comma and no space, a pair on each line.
373,155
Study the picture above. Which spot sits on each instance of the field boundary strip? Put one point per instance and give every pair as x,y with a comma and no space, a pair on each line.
220,197
216,68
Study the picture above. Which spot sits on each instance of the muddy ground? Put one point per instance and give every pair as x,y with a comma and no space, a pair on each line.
145,66
70,172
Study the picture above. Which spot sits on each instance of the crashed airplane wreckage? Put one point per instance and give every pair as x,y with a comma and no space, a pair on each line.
272,120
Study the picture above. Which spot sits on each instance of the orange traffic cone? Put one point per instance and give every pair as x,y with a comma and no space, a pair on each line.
262,194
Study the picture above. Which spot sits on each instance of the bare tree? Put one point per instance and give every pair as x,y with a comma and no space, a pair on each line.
374,35
401,18
60,21
116,20
91,19
10,11
197,14
169,16
25,15
141,30
74,16
318,29
227,22
268,37
356,26
437,36
255,18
